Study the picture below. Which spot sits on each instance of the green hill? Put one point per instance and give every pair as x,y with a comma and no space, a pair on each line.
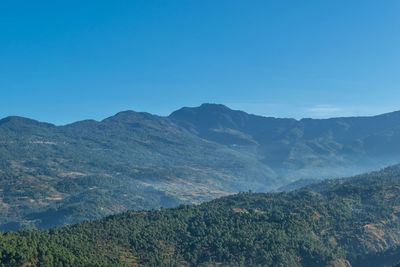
346,222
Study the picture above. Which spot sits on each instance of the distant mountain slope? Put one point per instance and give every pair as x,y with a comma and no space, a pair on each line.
300,149
54,175
350,222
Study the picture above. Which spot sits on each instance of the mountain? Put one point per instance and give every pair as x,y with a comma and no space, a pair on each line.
304,148
54,175
346,222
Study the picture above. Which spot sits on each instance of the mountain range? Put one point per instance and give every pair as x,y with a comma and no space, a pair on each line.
54,175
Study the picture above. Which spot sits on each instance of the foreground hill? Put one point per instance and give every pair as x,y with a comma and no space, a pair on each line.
348,222
54,175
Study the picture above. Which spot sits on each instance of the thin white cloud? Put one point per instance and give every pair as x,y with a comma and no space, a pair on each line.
324,111
329,111
318,111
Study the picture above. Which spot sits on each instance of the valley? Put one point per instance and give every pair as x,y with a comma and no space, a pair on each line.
342,222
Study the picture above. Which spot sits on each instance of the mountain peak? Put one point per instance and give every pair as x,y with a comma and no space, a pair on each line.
214,107
17,120
129,116
205,109
215,122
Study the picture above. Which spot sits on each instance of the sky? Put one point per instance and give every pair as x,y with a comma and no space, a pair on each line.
63,61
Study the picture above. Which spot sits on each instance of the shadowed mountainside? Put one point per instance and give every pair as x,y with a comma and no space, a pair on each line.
300,149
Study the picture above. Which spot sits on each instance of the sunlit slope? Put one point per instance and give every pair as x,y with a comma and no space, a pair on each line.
54,175
352,222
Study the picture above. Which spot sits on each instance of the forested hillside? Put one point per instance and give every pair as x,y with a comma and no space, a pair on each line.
55,175
347,222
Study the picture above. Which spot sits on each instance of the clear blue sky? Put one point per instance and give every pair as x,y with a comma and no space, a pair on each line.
62,61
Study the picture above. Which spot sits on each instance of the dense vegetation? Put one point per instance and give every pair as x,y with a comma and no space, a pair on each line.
59,175
335,223
54,175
